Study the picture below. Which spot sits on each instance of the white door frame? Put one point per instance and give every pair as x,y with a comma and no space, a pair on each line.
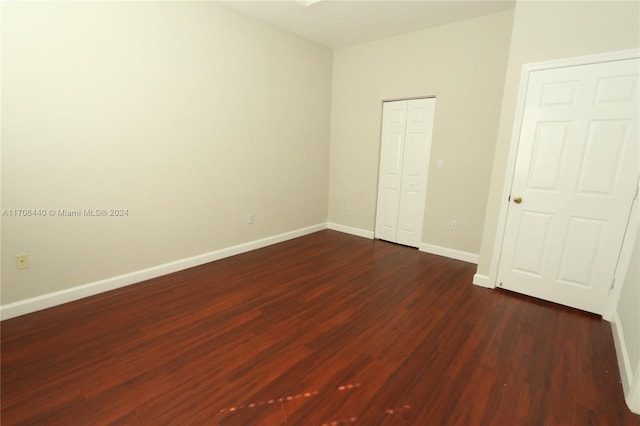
632,228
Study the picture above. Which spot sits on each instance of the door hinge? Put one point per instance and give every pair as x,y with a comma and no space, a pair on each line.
635,195
613,281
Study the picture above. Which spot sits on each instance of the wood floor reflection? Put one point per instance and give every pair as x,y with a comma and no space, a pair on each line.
327,329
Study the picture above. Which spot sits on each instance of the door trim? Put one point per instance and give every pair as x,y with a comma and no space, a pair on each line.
527,69
624,259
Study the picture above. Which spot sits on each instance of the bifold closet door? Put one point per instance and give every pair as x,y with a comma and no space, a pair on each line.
404,167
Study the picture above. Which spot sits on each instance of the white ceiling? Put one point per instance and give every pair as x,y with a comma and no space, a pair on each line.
339,23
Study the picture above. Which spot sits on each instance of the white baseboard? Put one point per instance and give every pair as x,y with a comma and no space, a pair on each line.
350,230
451,253
482,280
630,378
49,300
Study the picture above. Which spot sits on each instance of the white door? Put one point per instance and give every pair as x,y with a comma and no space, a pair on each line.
404,165
575,179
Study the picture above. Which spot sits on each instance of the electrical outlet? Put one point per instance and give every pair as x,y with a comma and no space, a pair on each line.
453,225
22,261
440,164
250,218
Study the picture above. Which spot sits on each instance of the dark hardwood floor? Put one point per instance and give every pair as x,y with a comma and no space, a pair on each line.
327,329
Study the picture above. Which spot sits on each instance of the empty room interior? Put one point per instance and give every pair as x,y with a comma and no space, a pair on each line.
320,212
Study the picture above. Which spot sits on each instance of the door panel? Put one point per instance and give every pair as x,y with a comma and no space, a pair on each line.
394,148
390,175
415,170
408,221
549,148
576,172
533,235
601,161
582,240
390,201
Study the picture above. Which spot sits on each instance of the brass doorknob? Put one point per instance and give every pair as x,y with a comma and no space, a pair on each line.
517,200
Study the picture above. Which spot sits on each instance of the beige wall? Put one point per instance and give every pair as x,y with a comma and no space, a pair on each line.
191,116
187,114
544,31
463,65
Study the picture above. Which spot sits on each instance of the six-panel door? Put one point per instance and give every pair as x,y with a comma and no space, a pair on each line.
575,178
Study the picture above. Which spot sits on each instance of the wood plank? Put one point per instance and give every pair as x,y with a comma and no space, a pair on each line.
324,329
